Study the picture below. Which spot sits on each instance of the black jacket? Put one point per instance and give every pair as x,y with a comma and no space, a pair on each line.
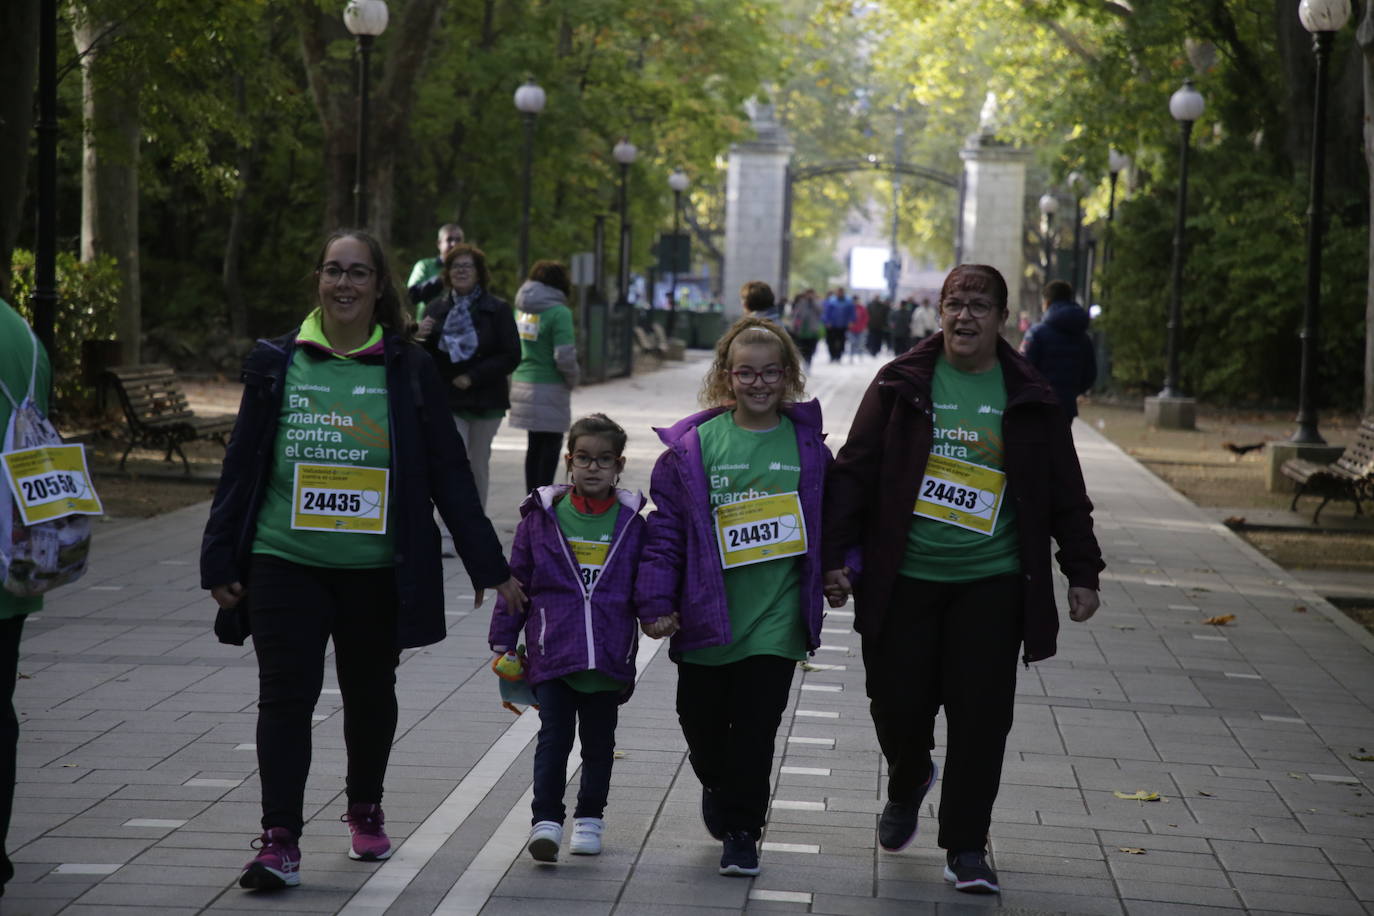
872,487
429,468
497,355
1060,348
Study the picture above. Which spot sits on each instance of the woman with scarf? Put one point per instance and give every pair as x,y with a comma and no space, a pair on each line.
541,389
471,335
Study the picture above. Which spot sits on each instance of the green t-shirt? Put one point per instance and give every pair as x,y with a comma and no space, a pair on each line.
17,355
541,334
334,413
764,599
590,537
424,269
968,428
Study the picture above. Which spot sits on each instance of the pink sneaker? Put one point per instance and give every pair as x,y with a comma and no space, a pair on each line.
277,865
370,842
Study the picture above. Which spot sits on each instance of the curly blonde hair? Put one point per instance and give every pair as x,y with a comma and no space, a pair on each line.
715,388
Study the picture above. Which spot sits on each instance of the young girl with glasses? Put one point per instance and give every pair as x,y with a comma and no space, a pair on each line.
736,526
577,546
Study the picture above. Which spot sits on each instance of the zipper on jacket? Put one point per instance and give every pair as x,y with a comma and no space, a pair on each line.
543,627
588,590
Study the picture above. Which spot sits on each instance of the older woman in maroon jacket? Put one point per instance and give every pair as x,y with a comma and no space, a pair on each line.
957,471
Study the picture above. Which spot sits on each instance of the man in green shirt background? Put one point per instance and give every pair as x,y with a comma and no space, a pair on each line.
450,234
17,355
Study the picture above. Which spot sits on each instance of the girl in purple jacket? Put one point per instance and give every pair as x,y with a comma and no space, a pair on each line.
576,549
736,525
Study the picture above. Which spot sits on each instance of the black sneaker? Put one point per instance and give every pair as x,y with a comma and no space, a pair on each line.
897,826
741,855
711,814
970,872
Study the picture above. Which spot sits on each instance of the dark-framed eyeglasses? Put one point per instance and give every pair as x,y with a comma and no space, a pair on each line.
358,273
583,460
978,308
463,267
771,375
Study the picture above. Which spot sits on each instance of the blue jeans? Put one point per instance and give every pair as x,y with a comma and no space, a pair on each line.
594,715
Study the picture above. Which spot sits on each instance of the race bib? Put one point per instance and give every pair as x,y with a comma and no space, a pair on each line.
962,494
50,482
527,323
761,529
339,498
591,559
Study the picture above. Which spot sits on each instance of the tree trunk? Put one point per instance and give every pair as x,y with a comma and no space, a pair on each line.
1365,36
109,178
18,72
400,53
233,244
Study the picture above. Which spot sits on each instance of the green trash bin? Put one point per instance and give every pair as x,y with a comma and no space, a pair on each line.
706,329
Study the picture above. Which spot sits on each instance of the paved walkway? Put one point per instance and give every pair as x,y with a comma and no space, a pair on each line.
137,785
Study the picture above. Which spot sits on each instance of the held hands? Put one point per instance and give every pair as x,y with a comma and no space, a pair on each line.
837,587
512,591
227,595
662,627
462,382
1083,603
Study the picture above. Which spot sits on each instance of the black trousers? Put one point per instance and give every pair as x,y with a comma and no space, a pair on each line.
296,609
807,346
11,631
541,458
950,644
834,342
729,716
594,715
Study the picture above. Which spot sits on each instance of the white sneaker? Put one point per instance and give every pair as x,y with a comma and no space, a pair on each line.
545,838
586,836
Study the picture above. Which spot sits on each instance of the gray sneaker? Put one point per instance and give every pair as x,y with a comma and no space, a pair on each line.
971,873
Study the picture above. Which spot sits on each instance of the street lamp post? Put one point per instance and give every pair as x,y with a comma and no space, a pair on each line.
366,19
1048,205
678,182
1076,183
624,153
1323,18
1117,162
1186,106
529,101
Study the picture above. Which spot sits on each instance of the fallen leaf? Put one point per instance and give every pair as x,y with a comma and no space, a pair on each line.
1205,794
1300,608
1232,521
1363,758
1220,620
1297,776
1133,850
1124,626
1140,795
618,755
806,666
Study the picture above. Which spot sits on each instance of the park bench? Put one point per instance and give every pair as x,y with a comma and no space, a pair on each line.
157,413
1349,477
652,341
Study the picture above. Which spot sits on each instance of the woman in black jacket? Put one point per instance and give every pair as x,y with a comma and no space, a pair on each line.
315,526
472,336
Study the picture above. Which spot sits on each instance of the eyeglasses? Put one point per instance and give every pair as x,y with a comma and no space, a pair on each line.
771,376
978,308
463,268
605,462
358,273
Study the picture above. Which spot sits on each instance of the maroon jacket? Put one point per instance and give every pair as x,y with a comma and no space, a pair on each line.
871,488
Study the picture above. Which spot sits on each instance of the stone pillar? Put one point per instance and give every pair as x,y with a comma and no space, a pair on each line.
755,192
994,209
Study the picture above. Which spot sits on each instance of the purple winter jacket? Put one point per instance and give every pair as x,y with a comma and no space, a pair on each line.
566,628
680,555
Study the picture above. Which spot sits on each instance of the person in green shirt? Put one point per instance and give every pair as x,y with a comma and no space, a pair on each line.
541,388
17,369
450,234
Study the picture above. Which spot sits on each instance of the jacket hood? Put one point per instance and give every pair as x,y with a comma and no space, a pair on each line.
536,297
543,498
913,370
1069,317
802,413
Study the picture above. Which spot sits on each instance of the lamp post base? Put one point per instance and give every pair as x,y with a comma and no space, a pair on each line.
1167,412
1276,453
